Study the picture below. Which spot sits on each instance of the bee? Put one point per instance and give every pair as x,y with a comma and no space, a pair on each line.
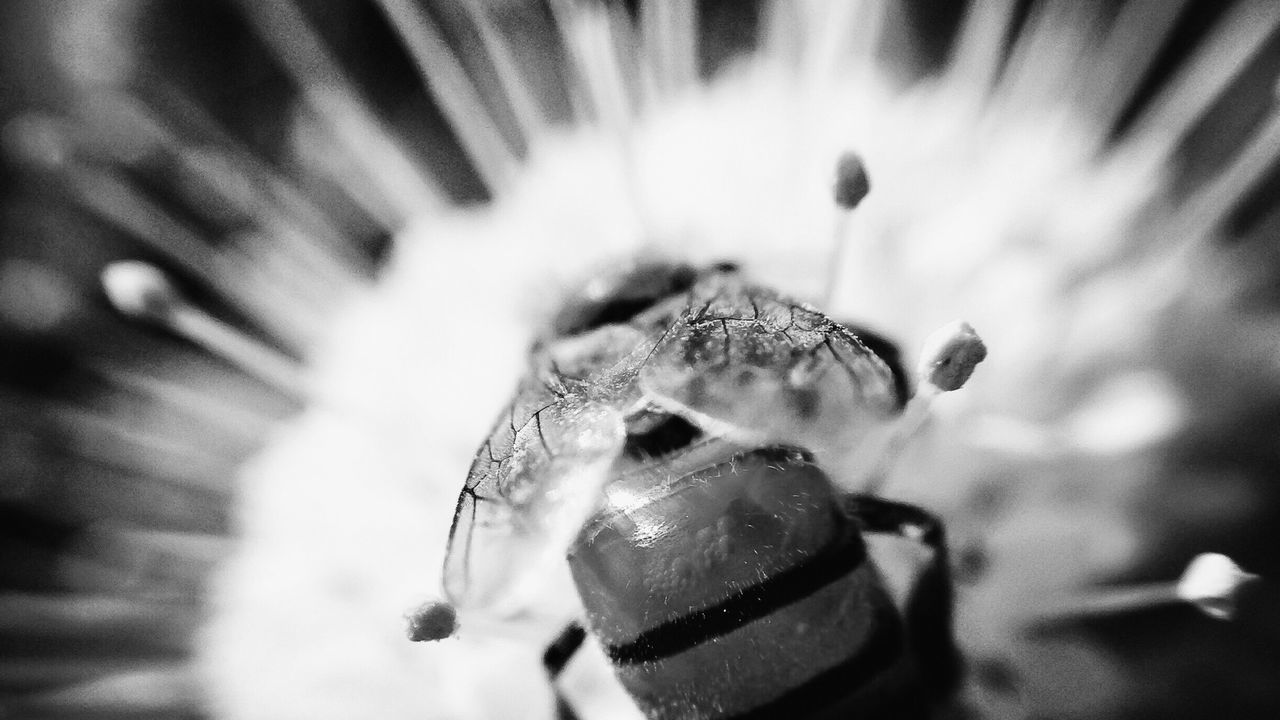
702,453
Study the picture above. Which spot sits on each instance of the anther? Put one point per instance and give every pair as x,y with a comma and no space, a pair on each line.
949,356
432,621
142,291
852,182
947,360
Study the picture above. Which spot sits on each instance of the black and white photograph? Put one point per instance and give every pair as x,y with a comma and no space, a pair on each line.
639,359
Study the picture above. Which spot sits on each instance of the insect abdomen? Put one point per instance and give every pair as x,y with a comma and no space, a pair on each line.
741,591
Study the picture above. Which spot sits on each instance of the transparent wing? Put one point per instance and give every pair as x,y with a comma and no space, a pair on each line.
747,364
530,488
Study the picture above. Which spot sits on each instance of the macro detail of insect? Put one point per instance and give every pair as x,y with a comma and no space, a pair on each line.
698,462
705,453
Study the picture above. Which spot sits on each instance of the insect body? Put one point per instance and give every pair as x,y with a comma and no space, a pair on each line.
700,449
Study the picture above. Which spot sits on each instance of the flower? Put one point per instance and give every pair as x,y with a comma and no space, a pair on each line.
1049,195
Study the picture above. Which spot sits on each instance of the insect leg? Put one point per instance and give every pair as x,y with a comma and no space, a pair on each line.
555,658
928,611
876,514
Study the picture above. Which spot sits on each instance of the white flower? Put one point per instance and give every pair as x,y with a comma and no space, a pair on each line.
1005,190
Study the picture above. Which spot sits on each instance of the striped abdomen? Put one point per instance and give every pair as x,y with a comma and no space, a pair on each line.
742,591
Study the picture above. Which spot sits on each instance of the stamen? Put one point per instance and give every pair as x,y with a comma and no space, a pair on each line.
1128,413
669,36
1012,435
126,688
1234,41
458,98
1213,202
1049,57
438,619
407,185
1131,47
1210,583
99,617
145,562
852,184
947,360
592,39
977,54
840,36
101,439
142,291
205,403
518,90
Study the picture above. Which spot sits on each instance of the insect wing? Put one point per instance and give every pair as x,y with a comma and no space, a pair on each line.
531,486
751,366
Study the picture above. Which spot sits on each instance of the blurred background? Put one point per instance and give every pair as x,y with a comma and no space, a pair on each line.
265,159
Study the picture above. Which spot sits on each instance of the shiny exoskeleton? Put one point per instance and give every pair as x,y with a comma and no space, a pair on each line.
697,447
